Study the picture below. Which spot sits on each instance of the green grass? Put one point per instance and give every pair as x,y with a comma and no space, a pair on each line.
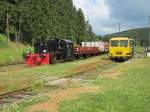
129,93
19,76
3,41
139,49
10,52
23,105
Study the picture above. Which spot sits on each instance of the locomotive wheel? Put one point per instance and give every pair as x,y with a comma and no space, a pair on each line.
77,57
53,60
85,56
73,58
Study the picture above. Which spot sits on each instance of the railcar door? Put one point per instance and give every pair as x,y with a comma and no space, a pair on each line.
132,46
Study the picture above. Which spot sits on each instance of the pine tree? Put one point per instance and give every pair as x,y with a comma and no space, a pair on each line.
32,19
80,26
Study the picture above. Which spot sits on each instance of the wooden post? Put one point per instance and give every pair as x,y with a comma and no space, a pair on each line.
7,27
19,32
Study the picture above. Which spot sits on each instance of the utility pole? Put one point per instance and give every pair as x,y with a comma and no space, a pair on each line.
119,27
7,22
147,47
19,32
148,33
137,37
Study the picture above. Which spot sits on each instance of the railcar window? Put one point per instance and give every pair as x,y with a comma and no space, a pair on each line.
123,43
114,43
131,44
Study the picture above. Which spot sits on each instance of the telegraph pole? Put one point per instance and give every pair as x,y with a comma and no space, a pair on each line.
147,47
7,22
148,33
119,27
137,37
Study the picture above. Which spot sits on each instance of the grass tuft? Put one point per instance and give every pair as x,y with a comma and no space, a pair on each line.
24,104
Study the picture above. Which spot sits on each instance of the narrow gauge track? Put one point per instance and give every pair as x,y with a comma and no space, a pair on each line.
13,64
19,94
10,97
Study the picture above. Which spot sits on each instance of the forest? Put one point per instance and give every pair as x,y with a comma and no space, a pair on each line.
27,20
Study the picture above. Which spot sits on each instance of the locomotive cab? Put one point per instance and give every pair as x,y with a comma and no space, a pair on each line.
39,47
59,49
50,51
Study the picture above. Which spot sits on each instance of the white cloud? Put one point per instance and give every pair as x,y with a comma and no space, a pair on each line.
98,13
104,15
93,9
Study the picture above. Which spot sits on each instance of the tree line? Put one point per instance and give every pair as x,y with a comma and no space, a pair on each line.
26,20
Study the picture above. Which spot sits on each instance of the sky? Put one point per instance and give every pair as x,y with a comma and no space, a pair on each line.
105,15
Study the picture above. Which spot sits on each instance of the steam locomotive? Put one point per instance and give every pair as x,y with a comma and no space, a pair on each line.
56,50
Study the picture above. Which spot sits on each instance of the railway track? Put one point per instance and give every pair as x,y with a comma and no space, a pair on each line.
23,93
13,64
14,96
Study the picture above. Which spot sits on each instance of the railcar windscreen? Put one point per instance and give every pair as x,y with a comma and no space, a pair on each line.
123,43
114,43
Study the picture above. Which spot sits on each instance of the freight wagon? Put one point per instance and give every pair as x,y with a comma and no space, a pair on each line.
102,46
85,51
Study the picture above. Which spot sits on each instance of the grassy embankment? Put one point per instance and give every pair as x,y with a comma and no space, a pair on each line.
127,92
11,53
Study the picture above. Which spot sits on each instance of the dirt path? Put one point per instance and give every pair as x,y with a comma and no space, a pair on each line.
59,95
113,74
89,66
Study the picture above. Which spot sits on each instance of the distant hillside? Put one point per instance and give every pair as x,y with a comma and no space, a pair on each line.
139,34
10,52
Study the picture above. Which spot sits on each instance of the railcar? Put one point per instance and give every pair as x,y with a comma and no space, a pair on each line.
56,50
121,48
